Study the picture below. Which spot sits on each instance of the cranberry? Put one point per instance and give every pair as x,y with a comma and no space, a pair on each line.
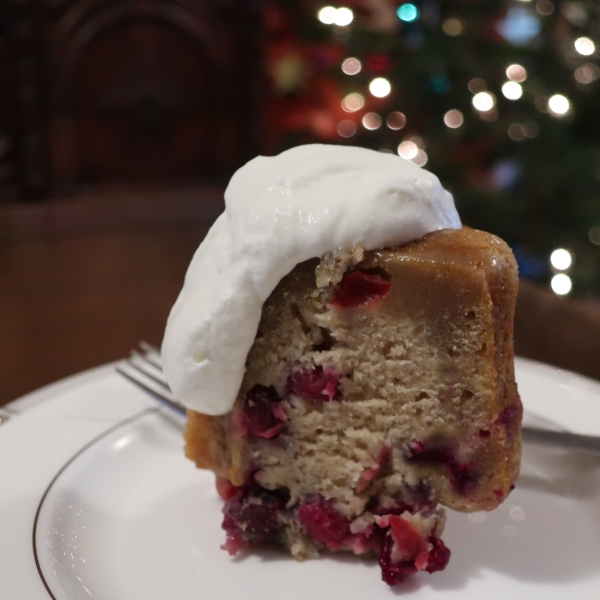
318,384
393,573
439,555
260,413
360,289
370,473
251,516
464,477
409,543
226,489
405,551
510,418
323,523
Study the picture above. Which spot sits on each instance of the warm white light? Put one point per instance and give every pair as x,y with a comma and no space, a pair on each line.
346,128
516,132
420,159
558,105
561,259
454,118
585,46
516,73
544,7
477,85
484,101
343,16
380,87
351,66
408,150
371,121
396,120
587,73
561,284
353,102
512,90
327,15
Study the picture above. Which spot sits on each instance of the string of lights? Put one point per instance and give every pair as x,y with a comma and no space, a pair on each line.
498,98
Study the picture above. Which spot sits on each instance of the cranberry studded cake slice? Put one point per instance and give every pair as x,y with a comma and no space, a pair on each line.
380,386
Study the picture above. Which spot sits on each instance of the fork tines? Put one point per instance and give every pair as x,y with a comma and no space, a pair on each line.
145,370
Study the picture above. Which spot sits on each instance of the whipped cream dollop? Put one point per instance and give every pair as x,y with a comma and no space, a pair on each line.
281,211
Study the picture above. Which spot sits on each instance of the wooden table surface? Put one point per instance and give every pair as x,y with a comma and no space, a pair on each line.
83,295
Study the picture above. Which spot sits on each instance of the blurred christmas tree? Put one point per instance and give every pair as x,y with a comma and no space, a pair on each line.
500,99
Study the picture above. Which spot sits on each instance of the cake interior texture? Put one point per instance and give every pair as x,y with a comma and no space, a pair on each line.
380,387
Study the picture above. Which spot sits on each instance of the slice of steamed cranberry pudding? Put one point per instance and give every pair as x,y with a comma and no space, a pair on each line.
379,386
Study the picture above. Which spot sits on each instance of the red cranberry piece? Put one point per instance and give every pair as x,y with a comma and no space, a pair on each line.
260,413
323,523
439,555
360,289
251,516
318,384
391,572
226,489
464,477
510,419
370,473
234,541
409,543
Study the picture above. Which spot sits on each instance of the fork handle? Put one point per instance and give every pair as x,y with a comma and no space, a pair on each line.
561,439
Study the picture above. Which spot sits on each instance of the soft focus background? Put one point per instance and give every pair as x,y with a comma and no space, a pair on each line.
122,120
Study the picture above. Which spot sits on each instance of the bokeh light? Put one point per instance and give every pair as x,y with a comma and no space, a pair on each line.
420,159
353,102
380,87
454,118
371,121
516,132
561,284
396,120
561,259
585,46
594,235
544,7
512,90
559,105
587,73
330,15
343,16
346,128
351,66
477,85
516,73
408,13
484,101
327,15
408,150
452,27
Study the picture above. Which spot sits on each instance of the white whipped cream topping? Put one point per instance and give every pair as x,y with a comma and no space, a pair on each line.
281,211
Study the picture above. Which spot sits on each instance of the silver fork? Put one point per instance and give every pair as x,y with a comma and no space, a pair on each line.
144,369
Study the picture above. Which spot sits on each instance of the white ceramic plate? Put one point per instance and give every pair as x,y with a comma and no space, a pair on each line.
97,502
